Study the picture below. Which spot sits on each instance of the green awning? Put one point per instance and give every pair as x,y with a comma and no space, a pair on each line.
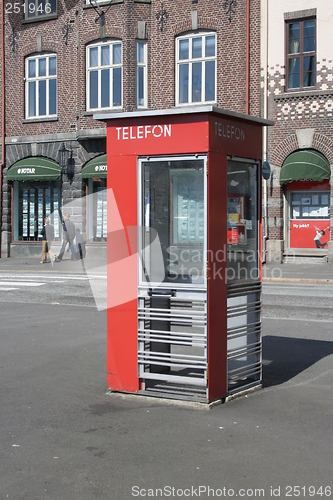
35,168
306,165
97,167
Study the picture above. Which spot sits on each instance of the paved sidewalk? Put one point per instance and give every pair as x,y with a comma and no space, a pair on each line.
298,273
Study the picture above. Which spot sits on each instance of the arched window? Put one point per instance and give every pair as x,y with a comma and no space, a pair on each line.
104,75
196,68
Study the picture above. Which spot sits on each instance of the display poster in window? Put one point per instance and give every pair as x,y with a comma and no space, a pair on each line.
40,211
105,229
56,212
236,223
25,213
47,202
309,225
324,199
295,212
99,213
32,214
187,207
310,234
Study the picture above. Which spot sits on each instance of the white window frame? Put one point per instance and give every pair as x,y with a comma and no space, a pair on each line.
203,59
38,79
99,69
106,2
141,64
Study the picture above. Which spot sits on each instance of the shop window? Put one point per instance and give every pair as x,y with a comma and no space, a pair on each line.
309,205
243,221
196,68
37,9
97,210
41,86
32,203
104,75
141,74
300,53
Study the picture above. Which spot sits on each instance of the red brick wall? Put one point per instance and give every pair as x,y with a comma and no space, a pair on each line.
122,22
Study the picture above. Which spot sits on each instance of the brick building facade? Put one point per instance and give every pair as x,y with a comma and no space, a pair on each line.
297,94
68,61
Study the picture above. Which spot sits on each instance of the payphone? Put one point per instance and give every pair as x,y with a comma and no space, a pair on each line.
186,187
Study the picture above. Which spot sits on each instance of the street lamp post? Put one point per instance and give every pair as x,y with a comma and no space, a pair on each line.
67,162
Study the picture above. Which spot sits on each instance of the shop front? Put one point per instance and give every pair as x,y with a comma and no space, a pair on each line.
183,257
305,177
36,194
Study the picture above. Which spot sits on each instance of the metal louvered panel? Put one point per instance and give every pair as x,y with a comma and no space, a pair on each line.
172,343
244,335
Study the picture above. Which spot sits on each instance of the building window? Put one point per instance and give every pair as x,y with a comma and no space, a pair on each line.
41,86
141,74
310,205
196,68
39,8
104,75
301,53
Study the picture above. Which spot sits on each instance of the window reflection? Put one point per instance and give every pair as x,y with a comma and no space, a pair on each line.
242,237
173,206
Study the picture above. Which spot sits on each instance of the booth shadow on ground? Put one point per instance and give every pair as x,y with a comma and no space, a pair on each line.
284,357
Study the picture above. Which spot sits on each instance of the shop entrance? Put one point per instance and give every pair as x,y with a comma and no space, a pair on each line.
305,176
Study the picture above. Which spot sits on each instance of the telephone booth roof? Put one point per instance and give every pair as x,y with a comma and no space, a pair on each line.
184,130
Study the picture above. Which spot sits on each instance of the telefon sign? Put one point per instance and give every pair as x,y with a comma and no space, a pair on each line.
229,131
143,132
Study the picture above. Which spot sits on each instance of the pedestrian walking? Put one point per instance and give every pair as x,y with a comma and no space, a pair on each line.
68,238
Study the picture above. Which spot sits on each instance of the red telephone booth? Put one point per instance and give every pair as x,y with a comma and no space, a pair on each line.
184,247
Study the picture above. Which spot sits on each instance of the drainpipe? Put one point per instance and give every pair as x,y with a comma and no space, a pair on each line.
264,5
3,156
247,98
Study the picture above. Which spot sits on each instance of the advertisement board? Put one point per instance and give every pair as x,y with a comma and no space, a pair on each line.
304,231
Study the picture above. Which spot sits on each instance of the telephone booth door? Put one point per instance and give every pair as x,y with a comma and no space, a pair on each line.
172,283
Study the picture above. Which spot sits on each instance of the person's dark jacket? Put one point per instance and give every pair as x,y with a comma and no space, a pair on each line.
48,232
69,230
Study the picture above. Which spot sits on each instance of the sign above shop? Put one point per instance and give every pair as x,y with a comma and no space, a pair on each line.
97,167
34,168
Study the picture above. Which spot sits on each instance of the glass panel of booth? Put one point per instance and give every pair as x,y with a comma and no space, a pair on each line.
172,220
243,223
